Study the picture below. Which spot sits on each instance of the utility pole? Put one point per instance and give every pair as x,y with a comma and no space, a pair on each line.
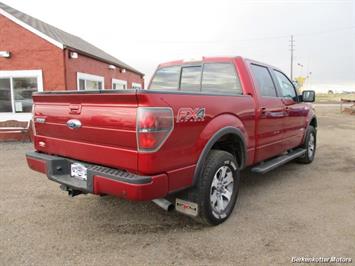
292,49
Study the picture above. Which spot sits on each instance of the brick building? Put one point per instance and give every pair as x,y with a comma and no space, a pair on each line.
35,56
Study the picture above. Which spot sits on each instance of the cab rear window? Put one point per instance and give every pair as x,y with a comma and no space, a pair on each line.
191,78
166,78
211,78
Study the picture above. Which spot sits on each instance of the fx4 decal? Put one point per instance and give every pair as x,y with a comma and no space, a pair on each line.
187,114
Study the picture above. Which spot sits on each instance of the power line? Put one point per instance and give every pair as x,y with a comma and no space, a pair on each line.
260,38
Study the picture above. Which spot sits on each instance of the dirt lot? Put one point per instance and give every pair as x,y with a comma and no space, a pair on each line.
296,210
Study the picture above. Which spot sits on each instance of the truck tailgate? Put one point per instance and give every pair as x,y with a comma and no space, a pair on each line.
107,126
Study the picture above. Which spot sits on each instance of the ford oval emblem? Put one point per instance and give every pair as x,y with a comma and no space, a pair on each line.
73,123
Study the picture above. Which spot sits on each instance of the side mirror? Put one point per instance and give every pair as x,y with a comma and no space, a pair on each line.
308,96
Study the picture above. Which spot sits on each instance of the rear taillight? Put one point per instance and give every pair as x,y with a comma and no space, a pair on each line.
154,125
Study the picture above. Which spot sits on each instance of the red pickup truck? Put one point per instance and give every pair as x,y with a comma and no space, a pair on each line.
185,138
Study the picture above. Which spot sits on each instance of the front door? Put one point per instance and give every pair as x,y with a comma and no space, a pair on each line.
296,112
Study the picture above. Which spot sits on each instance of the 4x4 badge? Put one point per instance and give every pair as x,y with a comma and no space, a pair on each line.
187,114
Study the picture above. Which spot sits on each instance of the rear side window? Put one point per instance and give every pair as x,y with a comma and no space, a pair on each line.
263,81
191,78
166,78
220,78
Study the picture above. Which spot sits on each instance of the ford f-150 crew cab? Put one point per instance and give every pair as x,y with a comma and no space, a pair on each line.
186,137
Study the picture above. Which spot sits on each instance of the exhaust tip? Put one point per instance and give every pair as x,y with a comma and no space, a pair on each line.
171,207
164,204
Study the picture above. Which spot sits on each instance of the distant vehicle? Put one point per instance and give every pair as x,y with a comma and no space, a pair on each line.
187,137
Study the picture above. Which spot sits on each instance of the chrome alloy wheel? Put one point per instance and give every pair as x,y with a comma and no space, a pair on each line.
221,190
311,145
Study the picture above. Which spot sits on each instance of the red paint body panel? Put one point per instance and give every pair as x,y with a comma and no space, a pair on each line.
183,149
37,165
181,178
108,136
158,188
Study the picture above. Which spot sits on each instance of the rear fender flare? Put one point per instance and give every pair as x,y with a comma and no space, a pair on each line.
215,137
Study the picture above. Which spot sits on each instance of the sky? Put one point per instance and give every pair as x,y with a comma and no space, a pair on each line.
146,33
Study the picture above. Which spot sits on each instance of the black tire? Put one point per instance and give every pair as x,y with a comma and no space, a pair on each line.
308,157
217,161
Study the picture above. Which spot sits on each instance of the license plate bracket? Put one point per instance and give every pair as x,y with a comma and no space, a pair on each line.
79,171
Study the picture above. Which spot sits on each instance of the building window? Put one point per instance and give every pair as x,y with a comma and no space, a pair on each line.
118,84
5,95
137,86
16,89
89,82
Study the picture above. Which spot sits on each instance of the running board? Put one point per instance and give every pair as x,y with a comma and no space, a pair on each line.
278,161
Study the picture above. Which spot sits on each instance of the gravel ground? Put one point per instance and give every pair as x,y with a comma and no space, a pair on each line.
296,210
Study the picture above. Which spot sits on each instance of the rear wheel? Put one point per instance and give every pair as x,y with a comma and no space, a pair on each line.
217,188
310,145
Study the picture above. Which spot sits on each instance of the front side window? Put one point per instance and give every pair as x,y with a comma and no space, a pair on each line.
287,89
166,78
220,78
191,78
263,81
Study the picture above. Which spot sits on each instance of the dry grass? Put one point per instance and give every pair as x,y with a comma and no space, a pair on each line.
333,98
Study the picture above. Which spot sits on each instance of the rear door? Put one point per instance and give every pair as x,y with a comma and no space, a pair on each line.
271,114
296,111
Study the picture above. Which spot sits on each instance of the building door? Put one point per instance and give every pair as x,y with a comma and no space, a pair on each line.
16,89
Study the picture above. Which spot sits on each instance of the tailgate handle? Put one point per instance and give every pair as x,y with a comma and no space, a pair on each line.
75,109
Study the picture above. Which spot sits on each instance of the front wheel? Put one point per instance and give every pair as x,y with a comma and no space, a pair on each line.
310,145
217,188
